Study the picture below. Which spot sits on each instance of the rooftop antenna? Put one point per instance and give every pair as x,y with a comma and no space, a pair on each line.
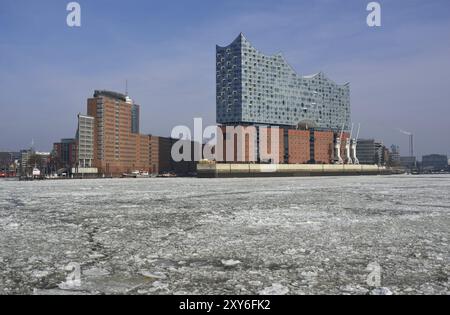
126,87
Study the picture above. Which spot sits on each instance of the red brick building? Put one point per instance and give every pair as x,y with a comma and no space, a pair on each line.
241,143
323,147
244,142
299,146
117,149
295,146
266,135
161,161
65,153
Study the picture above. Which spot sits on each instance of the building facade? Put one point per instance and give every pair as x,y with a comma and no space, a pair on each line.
294,146
370,152
254,88
117,147
299,146
161,161
65,153
85,142
9,163
434,162
31,159
85,139
135,117
394,156
408,162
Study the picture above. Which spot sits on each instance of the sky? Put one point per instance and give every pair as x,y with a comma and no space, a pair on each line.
399,72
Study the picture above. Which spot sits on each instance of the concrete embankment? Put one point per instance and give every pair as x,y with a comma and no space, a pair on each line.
280,170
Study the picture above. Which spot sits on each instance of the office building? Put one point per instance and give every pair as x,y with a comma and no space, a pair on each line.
371,152
24,156
85,139
84,165
408,162
6,159
9,163
134,117
65,153
161,160
434,162
33,159
117,147
394,155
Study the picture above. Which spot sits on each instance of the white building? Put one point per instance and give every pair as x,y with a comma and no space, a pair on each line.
85,146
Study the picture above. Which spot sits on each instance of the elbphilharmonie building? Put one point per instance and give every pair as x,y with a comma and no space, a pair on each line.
254,88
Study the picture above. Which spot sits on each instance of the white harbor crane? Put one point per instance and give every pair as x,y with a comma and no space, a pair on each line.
354,144
337,147
348,155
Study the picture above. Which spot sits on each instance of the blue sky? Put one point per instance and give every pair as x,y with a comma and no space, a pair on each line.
399,73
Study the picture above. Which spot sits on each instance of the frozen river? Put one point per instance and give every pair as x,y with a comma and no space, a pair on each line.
332,235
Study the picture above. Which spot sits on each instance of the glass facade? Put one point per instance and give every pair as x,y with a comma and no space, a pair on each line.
135,118
253,88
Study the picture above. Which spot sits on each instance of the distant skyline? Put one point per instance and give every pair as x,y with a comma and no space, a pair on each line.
398,73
